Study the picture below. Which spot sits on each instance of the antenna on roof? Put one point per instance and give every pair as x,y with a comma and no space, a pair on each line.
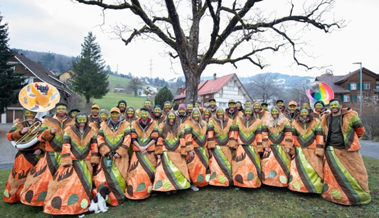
329,71
214,76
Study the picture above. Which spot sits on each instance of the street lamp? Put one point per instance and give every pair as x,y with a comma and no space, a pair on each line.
360,88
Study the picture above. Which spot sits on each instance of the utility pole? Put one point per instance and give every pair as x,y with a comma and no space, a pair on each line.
360,88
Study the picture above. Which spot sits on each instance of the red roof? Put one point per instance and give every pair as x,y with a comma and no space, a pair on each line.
209,86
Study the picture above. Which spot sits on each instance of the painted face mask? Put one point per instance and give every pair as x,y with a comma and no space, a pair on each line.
144,114
104,116
189,107
264,107
147,103
257,106
115,115
196,114
182,111
280,104
212,103
29,113
207,113
304,112
121,105
196,105
232,105
334,105
95,110
157,110
238,105
167,106
292,107
130,111
306,105
81,119
61,109
274,112
248,104
74,113
220,112
248,111
318,106
171,116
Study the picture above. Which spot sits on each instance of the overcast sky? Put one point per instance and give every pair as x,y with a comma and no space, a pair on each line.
59,26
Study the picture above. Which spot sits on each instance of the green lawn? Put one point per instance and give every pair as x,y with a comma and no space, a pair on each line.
227,202
116,80
111,100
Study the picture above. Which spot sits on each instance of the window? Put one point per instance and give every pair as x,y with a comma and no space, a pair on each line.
375,97
346,98
366,86
220,95
29,80
353,86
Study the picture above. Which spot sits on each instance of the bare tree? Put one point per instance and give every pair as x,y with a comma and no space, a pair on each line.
134,84
147,91
263,87
232,28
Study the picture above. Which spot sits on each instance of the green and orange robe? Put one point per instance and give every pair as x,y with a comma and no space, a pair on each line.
261,115
112,172
246,166
36,185
69,190
141,170
220,142
306,172
276,163
94,122
196,140
24,162
345,176
171,173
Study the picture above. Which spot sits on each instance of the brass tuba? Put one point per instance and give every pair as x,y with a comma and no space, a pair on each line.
37,97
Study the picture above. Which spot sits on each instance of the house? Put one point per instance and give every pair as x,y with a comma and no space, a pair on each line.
65,76
142,92
33,72
222,89
347,87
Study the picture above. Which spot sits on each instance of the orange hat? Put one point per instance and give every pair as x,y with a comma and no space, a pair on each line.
95,106
292,103
115,109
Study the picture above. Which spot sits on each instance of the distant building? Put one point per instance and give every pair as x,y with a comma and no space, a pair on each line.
65,76
141,91
222,89
347,87
118,90
34,72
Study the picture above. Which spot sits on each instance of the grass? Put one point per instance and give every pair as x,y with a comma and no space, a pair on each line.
111,99
116,80
227,202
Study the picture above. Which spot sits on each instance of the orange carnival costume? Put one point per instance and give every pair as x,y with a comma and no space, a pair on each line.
36,185
24,162
70,189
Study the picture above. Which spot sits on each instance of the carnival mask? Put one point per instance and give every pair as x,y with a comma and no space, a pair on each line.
274,112
95,110
74,113
232,105
167,105
61,109
257,106
103,116
238,105
182,111
220,112
334,105
157,110
196,114
319,106
130,111
248,104
29,113
81,119
306,105
147,103
292,107
115,115
304,112
189,107
264,107
248,111
212,103
171,116
279,104
121,105
144,114
207,113
196,105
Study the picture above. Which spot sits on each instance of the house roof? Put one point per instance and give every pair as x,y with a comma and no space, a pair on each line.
331,81
209,86
365,70
42,73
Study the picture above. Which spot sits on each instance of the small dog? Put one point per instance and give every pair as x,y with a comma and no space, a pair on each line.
98,203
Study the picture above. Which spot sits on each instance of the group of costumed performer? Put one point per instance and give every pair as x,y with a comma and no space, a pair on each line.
308,152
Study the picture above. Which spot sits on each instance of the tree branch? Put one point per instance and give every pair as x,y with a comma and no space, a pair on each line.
135,33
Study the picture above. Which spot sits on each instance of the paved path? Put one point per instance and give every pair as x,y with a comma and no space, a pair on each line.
8,152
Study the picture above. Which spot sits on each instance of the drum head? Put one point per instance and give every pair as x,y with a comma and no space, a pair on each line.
39,97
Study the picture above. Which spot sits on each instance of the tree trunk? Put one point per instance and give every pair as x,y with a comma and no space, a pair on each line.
192,82
87,99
